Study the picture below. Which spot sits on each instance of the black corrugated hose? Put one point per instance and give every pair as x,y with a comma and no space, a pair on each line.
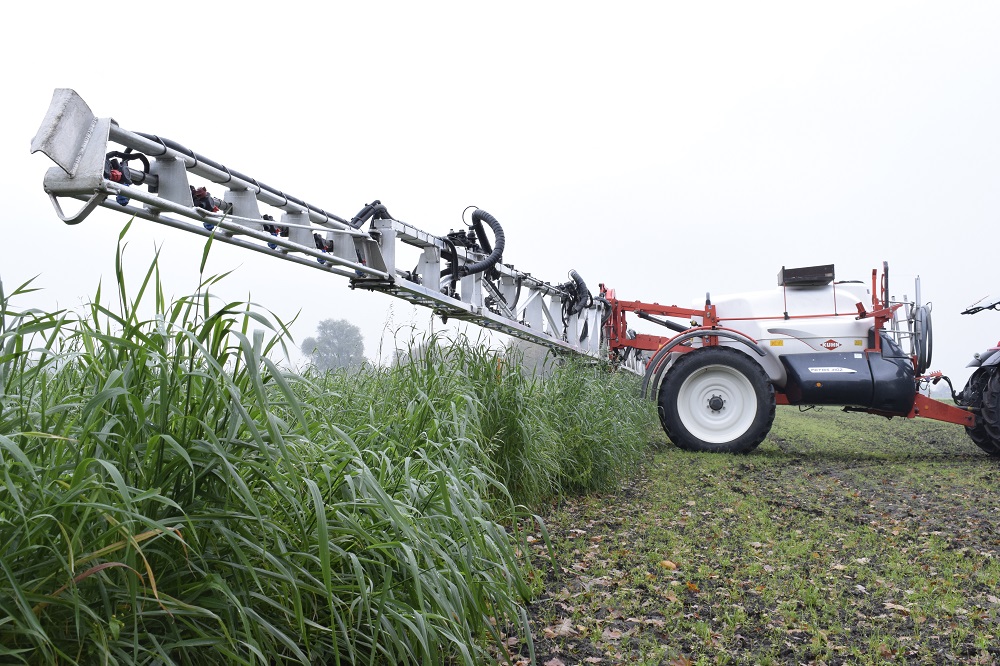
478,217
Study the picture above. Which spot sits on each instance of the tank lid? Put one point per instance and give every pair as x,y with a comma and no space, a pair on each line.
808,276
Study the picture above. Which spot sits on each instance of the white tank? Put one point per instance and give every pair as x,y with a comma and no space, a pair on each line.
797,320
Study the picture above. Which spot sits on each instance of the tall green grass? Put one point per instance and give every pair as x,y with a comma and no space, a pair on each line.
168,494
578,428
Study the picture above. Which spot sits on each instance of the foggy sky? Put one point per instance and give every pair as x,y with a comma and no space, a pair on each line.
665,149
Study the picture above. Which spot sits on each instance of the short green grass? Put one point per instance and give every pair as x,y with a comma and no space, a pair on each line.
845,538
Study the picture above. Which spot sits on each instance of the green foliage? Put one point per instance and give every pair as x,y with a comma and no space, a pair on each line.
604,424
580,429
169,494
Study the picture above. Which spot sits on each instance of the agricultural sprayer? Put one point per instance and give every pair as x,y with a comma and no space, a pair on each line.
717,377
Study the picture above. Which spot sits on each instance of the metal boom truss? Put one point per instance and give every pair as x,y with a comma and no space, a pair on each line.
97,163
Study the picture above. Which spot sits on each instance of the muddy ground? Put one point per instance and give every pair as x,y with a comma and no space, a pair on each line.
841,540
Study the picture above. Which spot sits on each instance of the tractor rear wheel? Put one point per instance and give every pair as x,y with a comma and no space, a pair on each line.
982,393
716,399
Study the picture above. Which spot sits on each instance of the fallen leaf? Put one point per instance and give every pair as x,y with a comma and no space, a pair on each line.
611,635
667,564
884,651
555,661
564,628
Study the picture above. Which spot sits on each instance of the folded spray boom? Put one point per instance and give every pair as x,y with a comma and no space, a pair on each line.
460,275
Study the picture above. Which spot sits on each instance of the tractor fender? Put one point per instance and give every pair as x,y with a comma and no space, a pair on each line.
985,359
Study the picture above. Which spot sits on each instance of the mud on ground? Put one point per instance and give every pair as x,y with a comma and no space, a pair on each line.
844,539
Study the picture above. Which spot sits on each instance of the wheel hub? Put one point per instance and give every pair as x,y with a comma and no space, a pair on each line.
716,403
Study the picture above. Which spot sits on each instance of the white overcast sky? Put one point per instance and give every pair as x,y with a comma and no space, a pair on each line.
666,149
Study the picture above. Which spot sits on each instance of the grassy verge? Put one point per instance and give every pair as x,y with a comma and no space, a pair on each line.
845,538
168,494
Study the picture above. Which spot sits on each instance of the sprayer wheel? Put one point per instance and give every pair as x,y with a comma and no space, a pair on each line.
716,399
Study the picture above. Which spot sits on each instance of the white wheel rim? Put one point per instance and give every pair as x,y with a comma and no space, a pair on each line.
702,392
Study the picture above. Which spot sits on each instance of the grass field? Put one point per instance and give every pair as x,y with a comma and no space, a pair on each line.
844,539
169,494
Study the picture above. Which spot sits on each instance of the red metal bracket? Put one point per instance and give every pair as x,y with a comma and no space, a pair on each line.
928,408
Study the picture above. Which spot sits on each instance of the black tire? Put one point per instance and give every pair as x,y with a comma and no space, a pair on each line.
716,399
982,394
991,408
